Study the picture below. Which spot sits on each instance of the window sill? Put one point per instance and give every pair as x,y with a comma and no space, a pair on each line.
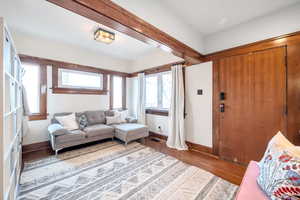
78,91
157,112
35,117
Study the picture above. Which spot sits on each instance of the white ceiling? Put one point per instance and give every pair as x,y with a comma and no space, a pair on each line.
41,18
196,17
210,16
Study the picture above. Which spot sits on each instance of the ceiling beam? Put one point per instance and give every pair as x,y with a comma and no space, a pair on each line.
113,16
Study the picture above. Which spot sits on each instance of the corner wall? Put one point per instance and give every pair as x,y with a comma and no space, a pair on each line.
198,122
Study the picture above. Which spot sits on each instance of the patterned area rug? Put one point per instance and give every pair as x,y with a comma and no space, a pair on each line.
112,171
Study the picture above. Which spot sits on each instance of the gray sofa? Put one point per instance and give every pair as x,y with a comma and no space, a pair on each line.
95,130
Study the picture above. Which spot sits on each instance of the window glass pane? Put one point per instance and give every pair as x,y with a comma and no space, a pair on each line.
117,92
166,90
151,92
31,82
79,79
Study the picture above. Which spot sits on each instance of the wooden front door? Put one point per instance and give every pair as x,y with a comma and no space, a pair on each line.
252,103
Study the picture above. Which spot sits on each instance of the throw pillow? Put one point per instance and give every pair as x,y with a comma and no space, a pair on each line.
95,117
68,121
83,122
279,175
123,114
116,119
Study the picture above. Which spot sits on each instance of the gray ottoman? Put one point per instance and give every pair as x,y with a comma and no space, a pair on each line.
131,131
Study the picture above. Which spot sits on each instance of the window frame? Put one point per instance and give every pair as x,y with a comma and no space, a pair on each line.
56,89
42,115
158,110
111,94
60,79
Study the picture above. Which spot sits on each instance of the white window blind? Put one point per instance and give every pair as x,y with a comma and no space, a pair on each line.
79,79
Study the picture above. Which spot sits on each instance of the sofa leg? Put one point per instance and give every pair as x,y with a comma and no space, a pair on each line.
56,152
126,143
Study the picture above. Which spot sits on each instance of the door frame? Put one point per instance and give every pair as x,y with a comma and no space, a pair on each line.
216,91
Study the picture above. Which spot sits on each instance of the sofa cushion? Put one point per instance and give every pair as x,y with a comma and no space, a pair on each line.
116,119
128,132
95,117
72,136
249,189
130,128
123,114
98,129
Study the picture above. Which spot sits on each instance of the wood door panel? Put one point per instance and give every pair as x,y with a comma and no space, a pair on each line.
293,54
268,100
255,86
234,77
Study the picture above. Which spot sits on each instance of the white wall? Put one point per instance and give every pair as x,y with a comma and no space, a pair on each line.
198,122
156,14
158,124
155,58
276,24
51,49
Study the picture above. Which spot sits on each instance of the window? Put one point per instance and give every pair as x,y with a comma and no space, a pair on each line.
152,92
166,90
79,79
83,80
117,92
35,83
31,81
158,91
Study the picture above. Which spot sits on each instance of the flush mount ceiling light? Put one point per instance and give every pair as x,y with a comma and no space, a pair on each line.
104,36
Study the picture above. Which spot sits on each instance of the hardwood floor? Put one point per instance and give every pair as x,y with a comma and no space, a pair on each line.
227,170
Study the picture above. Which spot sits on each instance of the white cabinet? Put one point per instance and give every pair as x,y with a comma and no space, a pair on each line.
11,112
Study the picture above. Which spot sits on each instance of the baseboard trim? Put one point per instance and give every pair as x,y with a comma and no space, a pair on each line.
46,145
199,147
153,134
28,148
192,146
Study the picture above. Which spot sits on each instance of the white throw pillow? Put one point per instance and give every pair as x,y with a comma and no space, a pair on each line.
123,114
116,119
68,121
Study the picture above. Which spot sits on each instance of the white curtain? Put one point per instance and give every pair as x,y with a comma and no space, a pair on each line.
176,138
141,112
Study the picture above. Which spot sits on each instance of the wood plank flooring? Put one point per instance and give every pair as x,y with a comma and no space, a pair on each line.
227,170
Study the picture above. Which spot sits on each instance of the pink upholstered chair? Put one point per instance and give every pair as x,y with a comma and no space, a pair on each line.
249,190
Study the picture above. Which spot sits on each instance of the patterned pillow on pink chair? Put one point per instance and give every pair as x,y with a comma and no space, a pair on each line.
279,175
